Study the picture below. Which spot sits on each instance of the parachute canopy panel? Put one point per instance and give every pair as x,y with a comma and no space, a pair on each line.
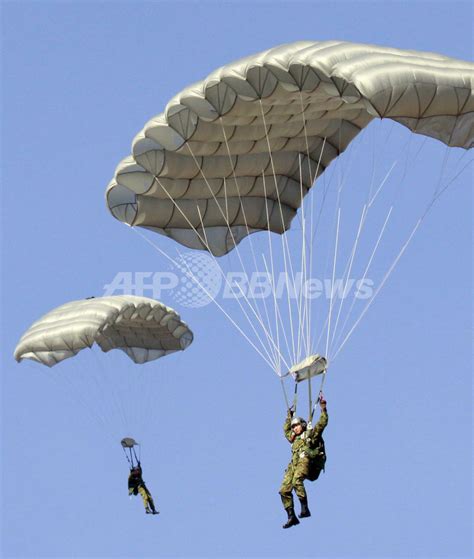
237,152
310,367
143,328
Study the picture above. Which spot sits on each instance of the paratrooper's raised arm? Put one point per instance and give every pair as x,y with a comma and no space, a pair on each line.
322,421
287,425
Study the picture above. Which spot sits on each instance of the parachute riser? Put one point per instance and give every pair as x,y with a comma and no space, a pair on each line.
311,406
132,458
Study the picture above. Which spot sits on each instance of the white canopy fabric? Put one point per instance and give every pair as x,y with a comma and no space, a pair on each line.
236,152
308,368
143,328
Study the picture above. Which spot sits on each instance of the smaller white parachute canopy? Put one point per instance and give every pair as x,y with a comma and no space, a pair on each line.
128,442
143,328
310,367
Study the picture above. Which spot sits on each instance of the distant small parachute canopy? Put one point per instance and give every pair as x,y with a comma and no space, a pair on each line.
310,367
143,328
128,442
235,153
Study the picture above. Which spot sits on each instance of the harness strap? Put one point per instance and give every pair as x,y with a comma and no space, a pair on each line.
295,396
126,456
284,393
135,454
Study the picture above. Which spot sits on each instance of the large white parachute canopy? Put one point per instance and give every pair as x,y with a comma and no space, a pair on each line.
143,328
235,153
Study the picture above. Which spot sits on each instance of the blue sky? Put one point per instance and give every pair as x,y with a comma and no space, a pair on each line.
79,81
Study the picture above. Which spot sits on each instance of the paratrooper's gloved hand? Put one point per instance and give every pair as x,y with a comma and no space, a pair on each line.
322,403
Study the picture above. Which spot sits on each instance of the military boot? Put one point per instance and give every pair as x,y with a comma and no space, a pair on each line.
153,510
305,513
292,519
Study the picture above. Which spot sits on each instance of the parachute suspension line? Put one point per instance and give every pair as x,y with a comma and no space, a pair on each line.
347,271
128,459
366,271
441,192
231,320
303,306
272,277
278,319
264,348
377,291
145,386
437,194
267,350
304,317
266,327
312,238
370,202
337,213
326,188
75,396
372,179
302,342
277,356
201,239
322,205
109,389
132,459
226,201
313,179
447,151
382,184
96,378
205,244
333,280
244,215
268,321
218,206
75,381
363,220
284,240
235,245
134,454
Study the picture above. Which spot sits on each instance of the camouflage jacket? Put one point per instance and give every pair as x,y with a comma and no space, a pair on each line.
135,478
310,443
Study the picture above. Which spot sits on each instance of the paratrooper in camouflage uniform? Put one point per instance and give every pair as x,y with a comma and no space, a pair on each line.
136,485
307,461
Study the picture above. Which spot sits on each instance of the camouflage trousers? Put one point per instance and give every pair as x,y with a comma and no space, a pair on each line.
295,474
146,497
